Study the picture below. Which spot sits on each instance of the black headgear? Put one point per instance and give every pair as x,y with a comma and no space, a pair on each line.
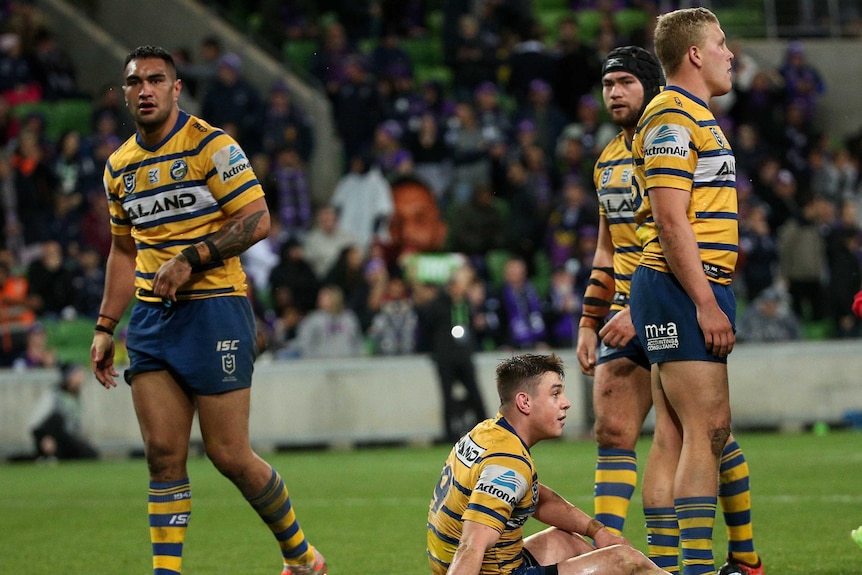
641,64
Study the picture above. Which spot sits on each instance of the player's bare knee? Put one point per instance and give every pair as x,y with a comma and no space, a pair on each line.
718,440
611,433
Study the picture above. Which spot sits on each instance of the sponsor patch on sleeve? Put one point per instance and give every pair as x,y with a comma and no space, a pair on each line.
671,140
230,162
502,483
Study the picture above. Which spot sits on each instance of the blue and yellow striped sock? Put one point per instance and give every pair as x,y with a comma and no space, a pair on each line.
662,537
734,495
696,517
169,507
273,506
616,477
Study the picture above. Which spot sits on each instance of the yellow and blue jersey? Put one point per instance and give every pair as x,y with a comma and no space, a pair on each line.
613,180
175,194
678,144
489,478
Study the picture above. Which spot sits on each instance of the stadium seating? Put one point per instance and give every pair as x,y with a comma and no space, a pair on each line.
60,116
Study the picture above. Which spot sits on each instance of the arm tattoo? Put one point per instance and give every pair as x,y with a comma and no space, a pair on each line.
237,235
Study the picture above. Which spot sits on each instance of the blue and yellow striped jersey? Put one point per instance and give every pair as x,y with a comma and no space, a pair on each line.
489,478
613,180
678,144
176,194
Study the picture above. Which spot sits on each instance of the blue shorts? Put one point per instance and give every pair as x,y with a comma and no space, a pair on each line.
531,567
208,345
666,320
633,350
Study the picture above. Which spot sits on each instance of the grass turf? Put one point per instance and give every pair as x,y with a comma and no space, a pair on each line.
366,509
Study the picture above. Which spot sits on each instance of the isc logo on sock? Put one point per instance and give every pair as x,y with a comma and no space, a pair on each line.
180,519
227,345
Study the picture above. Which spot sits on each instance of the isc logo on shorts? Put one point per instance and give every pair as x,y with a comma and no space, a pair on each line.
227,345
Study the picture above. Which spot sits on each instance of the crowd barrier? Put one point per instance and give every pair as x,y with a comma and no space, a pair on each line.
353,402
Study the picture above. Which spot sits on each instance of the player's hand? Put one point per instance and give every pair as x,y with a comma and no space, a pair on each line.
171,275
619,330
605,538
717,331
586,349
102,359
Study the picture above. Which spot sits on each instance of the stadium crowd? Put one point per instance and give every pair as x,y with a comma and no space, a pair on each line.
490,166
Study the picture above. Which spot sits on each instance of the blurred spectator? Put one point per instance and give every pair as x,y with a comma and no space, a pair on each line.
390,156
288,21
547,119
521,308
325,242
405,17
56,421
417,225
35,188
478,227
362,281
446,325
769,319
470,155
472,61
495,121
292,281
363,198
526,224
578,67
53,69
591,128
259,259
802,81
18,82
108,102
356,107
329,60
570,157
75,167
233,104
50,292
750,150
562,309
779,193
198,75
431,156
16,316
331,330
284,125
393,327
758,252
88,283
388,59
37,352
95,225
802,261
530,60
845,277
576,213
289,192
9,123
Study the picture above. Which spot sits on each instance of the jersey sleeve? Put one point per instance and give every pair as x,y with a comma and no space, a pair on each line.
230,177
500,487
670,158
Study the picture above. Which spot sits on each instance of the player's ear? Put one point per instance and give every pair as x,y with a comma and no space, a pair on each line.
523,403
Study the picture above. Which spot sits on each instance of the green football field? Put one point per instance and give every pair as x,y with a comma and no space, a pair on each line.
366,508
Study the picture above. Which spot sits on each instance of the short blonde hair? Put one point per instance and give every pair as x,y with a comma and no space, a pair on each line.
676,32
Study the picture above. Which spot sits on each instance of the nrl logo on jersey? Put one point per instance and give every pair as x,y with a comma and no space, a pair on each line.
717,135
230,162
606,176
129,182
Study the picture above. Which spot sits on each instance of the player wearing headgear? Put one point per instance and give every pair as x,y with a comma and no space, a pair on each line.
609,350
